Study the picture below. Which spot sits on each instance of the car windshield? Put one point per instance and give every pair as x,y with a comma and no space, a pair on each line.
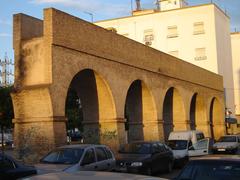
211,171
136,148
228,139
178,144
63,156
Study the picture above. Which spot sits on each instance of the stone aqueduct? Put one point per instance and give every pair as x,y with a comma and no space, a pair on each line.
117,80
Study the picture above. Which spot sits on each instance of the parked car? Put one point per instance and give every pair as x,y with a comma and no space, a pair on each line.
72,158
7,140
211,168
186,144
145,157
227,144
91,175
74,136
11,169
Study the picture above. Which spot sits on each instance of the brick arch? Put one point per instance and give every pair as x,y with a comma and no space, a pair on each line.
216,118
140,113
174,117
96,100
198,111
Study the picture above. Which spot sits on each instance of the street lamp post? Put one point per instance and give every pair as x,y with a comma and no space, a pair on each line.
91,14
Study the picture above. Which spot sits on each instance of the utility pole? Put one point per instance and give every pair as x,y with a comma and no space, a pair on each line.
5,71
91,14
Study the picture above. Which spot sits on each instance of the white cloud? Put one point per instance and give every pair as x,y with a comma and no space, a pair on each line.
5,22
5,35
93,6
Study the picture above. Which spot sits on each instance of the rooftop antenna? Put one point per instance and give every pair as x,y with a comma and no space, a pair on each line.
157,4
138,5
132,7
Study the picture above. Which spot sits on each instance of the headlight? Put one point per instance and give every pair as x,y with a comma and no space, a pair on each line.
136,164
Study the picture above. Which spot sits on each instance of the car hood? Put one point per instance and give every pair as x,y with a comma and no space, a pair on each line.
225,144
122,157
43,168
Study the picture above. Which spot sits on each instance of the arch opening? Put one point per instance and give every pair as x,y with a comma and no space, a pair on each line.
216,120
193,109
89,103
174,116
140,113
198,115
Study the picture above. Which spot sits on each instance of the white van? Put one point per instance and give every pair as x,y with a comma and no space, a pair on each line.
188,143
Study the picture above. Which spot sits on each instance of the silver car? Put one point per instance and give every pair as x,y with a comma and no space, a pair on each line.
91,175
227,144
81,157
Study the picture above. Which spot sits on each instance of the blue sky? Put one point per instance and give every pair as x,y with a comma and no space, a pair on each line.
101,9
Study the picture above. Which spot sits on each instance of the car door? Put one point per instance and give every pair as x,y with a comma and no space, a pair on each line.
111,160
200,148
159,157
88,162
102,159
7,169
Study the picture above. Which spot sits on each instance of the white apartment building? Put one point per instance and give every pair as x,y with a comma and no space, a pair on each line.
236,71
197,34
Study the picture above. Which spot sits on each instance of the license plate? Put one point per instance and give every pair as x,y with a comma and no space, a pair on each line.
221,149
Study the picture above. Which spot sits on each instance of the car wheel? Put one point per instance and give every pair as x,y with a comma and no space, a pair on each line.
149,171
170,167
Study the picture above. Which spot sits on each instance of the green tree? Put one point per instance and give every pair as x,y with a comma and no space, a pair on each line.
6,107
73,110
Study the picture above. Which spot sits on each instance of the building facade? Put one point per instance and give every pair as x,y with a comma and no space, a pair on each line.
235,37
199,35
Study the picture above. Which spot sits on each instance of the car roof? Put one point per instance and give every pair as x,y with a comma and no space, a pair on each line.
230,135
217,158
92,175
81,146
145,142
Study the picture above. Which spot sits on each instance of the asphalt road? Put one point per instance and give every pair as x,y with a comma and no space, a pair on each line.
171,175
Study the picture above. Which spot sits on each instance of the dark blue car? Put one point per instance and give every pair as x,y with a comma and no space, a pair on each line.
10,169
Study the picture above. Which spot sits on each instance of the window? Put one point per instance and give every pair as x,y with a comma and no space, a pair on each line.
172,32
148,37
64,156
109,154
203,144
6,164
198,28
89,157
174,53
101,154
200,54
156,148
200,136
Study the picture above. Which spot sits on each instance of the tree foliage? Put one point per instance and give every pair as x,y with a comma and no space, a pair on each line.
73,110
6,106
